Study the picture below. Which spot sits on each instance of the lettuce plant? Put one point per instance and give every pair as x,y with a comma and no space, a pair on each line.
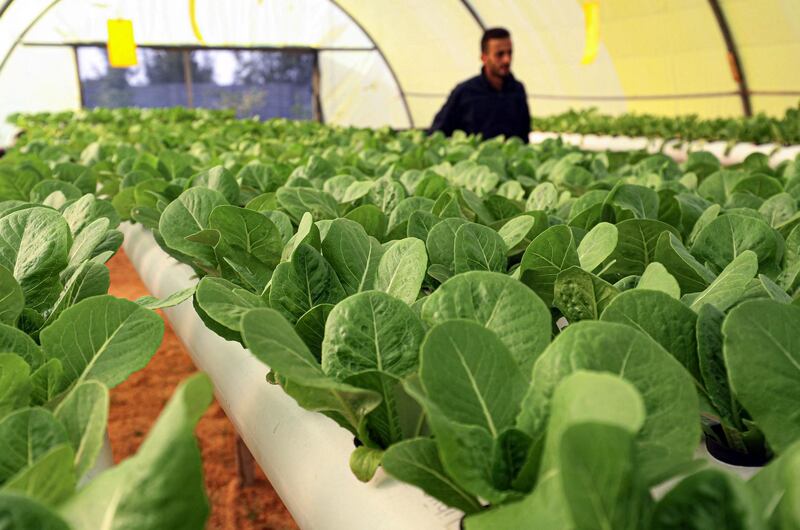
534,335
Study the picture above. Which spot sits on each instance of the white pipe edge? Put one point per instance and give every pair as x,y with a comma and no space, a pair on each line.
304,454
675,148
104,461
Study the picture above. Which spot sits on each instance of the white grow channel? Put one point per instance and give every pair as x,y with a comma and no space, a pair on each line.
304,454
679,151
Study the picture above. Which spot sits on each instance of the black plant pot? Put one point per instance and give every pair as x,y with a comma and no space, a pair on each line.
757,456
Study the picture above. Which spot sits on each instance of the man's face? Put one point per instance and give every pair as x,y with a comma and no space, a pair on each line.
497,57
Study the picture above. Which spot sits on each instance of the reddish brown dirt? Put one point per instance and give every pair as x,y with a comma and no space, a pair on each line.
136,403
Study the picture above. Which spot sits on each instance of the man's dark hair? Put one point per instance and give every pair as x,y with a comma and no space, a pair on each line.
493,33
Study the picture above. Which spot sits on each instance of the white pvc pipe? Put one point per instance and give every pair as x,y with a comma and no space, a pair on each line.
674,148
105,460
304,454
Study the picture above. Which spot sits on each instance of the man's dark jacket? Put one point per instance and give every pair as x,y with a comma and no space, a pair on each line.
474,106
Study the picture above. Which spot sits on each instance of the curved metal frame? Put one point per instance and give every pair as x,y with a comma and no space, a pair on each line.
403,94
734,61
396,79
5,6
26,30
474,12
385,60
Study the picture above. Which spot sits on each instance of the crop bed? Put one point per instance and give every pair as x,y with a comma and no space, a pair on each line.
299,448
136,403
305,454
759,129
536,336
727,153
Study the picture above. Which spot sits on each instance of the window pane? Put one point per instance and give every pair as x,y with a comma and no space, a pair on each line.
260,83
157,81
267,84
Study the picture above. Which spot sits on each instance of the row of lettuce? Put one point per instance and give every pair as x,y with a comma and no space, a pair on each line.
534,335
759,129
64,342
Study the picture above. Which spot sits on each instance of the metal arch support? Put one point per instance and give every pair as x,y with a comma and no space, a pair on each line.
21,36
5,5
733,57
334,2
466,3
385,60
475,15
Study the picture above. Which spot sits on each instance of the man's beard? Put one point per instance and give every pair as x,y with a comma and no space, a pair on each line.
500,72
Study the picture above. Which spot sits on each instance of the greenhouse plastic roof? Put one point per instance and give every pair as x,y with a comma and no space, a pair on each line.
393,63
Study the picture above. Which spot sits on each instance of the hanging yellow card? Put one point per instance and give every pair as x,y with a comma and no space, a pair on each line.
121,46
591,14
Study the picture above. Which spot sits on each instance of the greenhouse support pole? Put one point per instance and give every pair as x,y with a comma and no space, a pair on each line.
78,76
733,57
316,99
187,78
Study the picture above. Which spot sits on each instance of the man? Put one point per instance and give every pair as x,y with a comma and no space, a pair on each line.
492,103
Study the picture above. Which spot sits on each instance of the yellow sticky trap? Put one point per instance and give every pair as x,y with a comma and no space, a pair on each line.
121,46
591,15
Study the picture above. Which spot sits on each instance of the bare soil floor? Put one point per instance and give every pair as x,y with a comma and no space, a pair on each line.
136,403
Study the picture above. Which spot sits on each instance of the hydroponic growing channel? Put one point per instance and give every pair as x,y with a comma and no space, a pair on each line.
531,335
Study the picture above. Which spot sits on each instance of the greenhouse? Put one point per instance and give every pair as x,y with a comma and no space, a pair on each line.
343,264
